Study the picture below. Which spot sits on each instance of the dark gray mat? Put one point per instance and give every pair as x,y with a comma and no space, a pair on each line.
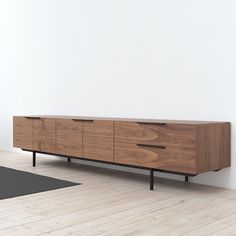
14,183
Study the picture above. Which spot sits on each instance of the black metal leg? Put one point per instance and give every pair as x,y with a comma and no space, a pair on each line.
151,179
34,159
186,179
68,159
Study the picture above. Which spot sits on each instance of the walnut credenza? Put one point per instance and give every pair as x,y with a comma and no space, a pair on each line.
181,147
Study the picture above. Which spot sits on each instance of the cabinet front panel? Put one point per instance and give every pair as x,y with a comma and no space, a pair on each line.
22,133
98,140
69,137
170,159
172,135
44,135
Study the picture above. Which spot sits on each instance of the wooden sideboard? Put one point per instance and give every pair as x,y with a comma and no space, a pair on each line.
181,147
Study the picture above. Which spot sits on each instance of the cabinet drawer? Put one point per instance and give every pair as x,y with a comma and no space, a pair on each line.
172,135
170,159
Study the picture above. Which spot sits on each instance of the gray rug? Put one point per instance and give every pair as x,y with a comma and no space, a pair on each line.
14,183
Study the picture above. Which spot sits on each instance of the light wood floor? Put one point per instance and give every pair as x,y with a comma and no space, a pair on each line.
114,203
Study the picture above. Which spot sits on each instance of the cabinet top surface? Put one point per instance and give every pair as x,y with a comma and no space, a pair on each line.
124,119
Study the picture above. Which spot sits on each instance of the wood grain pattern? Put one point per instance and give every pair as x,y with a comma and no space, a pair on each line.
213,147
170,159
98,140
69,137
191,147
22,133
44,135
172,135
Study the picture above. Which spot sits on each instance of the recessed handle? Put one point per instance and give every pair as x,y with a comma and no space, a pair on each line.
82,120
32,117
150,145
151,123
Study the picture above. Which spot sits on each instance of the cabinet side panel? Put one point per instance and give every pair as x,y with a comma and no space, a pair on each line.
22,133
202,149
213,150
226,146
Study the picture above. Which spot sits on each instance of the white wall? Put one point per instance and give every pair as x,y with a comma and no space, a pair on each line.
122,58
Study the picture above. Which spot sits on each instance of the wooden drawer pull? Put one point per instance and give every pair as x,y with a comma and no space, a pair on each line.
150,145
31,117
82,120
150,123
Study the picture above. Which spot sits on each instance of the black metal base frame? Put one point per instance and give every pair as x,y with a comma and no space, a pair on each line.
151,178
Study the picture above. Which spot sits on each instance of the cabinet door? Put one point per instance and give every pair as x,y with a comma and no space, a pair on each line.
69,137
44,135
22,133
98,140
